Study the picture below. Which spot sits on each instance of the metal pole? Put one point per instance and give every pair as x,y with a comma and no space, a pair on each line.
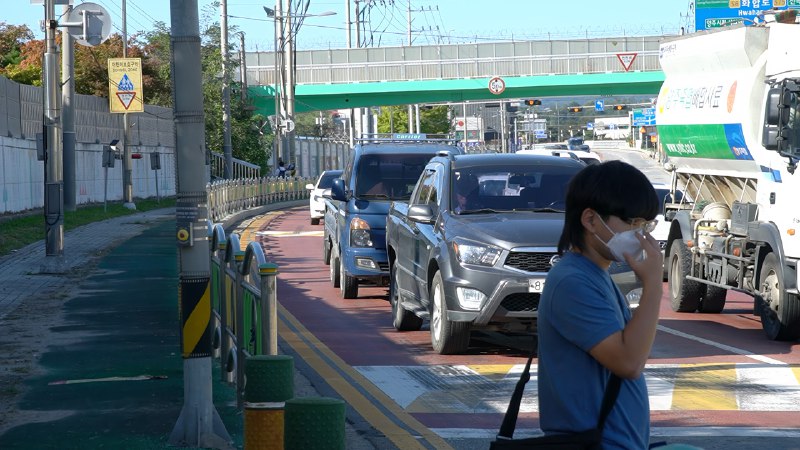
53,181
67,112
127,162
242,67
416,114
349,46
227,147
277,143
199,424
290,82
503,128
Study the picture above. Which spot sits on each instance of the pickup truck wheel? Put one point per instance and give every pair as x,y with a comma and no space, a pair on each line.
713,301
402,319
326,251
334,272
314,221
684,294
780,313
347,284
447,337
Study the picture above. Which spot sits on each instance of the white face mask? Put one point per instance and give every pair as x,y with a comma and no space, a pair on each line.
624,242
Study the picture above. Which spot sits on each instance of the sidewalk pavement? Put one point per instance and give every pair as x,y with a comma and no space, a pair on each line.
92,355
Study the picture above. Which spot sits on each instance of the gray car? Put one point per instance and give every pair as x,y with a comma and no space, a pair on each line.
473,246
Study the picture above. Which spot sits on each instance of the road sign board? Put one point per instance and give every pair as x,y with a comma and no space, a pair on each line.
716,14
125,85
599,105
626,59
644,117
497,85
540,134
589,126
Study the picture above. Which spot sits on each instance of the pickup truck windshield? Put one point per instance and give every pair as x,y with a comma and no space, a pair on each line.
390,176
539,188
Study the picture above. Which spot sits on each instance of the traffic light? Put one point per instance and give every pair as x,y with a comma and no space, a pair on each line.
575,109
136,156
532,102
619,107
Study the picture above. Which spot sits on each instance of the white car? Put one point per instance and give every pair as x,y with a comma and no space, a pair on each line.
316,201
586,156
661,232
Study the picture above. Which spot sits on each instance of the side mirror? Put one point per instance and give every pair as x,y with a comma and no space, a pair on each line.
421,214
310,186
326,193
338,191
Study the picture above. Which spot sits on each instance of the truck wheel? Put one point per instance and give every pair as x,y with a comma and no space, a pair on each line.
402,319
334,271
326,251
347,284
314,221
684,294
447,337
713,301
780,314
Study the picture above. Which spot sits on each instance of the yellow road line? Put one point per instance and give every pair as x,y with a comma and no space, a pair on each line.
705,387
371,413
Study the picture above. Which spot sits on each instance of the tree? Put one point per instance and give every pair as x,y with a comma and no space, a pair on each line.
432,120
12,37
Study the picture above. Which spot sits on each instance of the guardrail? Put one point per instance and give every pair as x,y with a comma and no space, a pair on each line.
226,197
243,303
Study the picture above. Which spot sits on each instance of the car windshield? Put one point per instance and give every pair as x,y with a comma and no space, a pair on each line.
389,176
485,190
326,181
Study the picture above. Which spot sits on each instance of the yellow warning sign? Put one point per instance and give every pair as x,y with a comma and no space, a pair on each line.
125,92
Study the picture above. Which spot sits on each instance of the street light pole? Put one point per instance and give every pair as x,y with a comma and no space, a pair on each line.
227,146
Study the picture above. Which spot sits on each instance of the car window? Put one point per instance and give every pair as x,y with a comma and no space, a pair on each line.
326,181
426,186
389,176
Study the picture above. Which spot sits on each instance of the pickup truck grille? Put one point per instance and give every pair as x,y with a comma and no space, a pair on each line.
384,266
522,301
530,262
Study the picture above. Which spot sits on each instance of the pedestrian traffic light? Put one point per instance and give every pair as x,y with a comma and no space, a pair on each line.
619,107
532,102
575,109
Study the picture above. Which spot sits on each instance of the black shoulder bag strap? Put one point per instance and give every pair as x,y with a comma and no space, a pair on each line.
510,420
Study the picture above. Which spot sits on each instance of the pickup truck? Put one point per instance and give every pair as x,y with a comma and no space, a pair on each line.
472,247
379,171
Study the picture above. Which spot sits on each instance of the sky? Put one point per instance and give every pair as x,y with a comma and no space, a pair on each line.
432,21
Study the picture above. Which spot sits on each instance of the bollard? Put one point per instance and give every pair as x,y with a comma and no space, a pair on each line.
269,384
314,422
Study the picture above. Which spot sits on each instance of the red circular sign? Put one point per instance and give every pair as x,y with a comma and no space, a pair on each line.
497,85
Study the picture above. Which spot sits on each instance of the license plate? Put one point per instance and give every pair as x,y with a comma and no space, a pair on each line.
535,284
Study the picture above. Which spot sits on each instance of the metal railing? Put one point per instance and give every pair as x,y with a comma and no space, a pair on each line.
226,197
240,169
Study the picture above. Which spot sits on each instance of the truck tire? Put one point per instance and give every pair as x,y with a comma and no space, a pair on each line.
780,314
684,294
402,319
713,301
347,284
334,272
315,221
326,251
447,337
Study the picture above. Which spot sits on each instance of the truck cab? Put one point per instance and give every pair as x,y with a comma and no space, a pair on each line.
380,170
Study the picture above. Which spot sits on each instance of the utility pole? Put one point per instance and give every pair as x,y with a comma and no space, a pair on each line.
127,162
53,163
68,112
410,107
227,147
349,46
278,56
358,125
290,81
199,424
242,68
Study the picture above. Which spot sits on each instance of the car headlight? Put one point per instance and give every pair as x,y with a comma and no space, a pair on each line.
360,233
469,252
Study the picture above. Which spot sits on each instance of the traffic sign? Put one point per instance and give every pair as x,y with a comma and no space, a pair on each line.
589,126
644,117
125,85
599,105
626,59
497,85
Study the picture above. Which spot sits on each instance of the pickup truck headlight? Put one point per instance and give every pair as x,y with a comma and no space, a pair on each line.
469,252
359,233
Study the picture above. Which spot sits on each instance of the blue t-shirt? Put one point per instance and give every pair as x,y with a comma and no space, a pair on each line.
580,307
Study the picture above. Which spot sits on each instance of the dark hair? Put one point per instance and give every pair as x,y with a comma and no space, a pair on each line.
612,188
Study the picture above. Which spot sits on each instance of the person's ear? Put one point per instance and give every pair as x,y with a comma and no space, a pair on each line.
590,220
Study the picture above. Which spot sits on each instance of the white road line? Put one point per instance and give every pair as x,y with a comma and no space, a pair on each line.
472,433
727,348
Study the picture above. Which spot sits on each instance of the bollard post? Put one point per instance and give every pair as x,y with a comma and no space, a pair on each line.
314,422
270,384
269,306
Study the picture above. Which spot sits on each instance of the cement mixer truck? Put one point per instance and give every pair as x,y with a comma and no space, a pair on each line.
728,119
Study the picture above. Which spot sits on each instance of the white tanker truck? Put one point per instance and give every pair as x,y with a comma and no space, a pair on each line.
729,121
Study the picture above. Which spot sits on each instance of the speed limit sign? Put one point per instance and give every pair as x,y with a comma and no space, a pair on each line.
497,85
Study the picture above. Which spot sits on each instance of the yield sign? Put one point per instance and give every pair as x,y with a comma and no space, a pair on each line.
126,97
626,59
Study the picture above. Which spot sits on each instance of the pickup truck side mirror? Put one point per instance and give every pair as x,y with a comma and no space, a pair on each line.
310,186
421,214
326,193
338,191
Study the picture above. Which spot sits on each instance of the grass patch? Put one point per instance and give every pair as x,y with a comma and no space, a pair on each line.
18,231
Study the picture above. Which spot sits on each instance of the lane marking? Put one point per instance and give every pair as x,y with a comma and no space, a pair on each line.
317,233
344,379
473,433
727,348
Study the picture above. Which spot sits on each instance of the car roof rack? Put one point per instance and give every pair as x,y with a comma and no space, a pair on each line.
406,137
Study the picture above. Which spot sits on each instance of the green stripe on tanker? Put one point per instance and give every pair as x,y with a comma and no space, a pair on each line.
695,141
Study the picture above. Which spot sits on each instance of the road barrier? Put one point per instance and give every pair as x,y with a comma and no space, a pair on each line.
226,197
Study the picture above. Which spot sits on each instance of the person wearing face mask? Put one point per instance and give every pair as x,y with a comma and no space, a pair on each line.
586,331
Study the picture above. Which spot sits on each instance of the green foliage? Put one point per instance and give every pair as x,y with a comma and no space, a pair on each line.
18,231
394,119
